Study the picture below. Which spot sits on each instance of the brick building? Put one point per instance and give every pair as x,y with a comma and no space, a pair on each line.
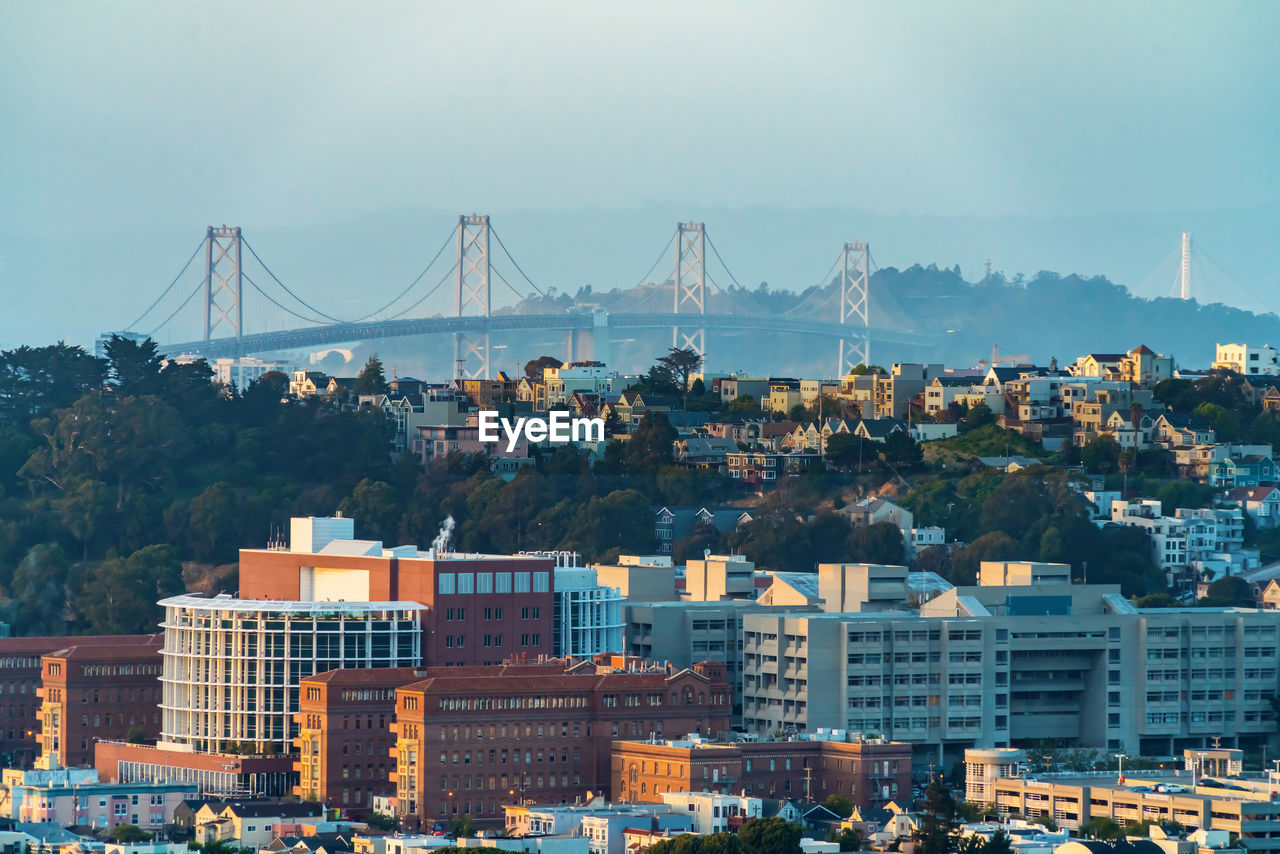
470,740
344,740
93,691
481,609
20,672
869,772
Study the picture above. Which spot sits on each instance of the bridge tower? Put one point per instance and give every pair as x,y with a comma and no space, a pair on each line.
855,282
1184,272
223,303
472,296
691,285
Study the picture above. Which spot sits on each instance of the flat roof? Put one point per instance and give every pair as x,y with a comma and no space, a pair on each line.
217,603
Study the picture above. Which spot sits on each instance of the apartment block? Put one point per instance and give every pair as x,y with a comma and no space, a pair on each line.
76,797
344,735
469,740
870,772
1025,656
98,691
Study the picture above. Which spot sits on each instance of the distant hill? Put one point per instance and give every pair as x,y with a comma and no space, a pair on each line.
1044,317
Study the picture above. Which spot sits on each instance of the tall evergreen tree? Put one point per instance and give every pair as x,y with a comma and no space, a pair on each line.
936,832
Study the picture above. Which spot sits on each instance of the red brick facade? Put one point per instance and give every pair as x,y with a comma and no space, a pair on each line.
344,741
482,609
869,773
98,691
473,739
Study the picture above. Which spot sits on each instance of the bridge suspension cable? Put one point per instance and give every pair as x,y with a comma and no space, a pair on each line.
278,305
448,274
190,297
165,293
286,289
716,252
663,254
515,263
443,246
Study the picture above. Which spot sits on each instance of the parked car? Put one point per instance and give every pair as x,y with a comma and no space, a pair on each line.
1140,788
1170,788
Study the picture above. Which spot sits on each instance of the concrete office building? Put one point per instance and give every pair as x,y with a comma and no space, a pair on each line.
1025,656
686,632
1250,816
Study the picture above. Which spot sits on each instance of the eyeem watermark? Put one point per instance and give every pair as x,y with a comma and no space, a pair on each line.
559,429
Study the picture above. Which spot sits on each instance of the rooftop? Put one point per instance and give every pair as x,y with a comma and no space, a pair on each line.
226,603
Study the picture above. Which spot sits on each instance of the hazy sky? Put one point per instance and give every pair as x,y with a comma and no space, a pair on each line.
136,118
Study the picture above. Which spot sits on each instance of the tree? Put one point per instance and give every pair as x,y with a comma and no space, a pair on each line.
1229,591
128,833
998,843
900,450
119,596
1100,827
1155,600
461,827
1101,454
848,839
371,379
534,367
382,821
651,444
841,805
936,830
775,835
39,592
845,451
680,364
133,367
996,545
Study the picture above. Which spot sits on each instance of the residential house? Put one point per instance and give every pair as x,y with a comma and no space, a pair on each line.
671,524
705,453
734,387
1141,366
1173,430
586,376
250,825
1176,541
1246,470
631,406
784,394
761,468
1261,503
1243,359
307,384
943,391
895,392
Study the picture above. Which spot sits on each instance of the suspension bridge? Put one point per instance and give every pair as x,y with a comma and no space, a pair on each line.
242,307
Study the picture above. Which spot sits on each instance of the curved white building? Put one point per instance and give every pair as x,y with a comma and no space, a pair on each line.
232,666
